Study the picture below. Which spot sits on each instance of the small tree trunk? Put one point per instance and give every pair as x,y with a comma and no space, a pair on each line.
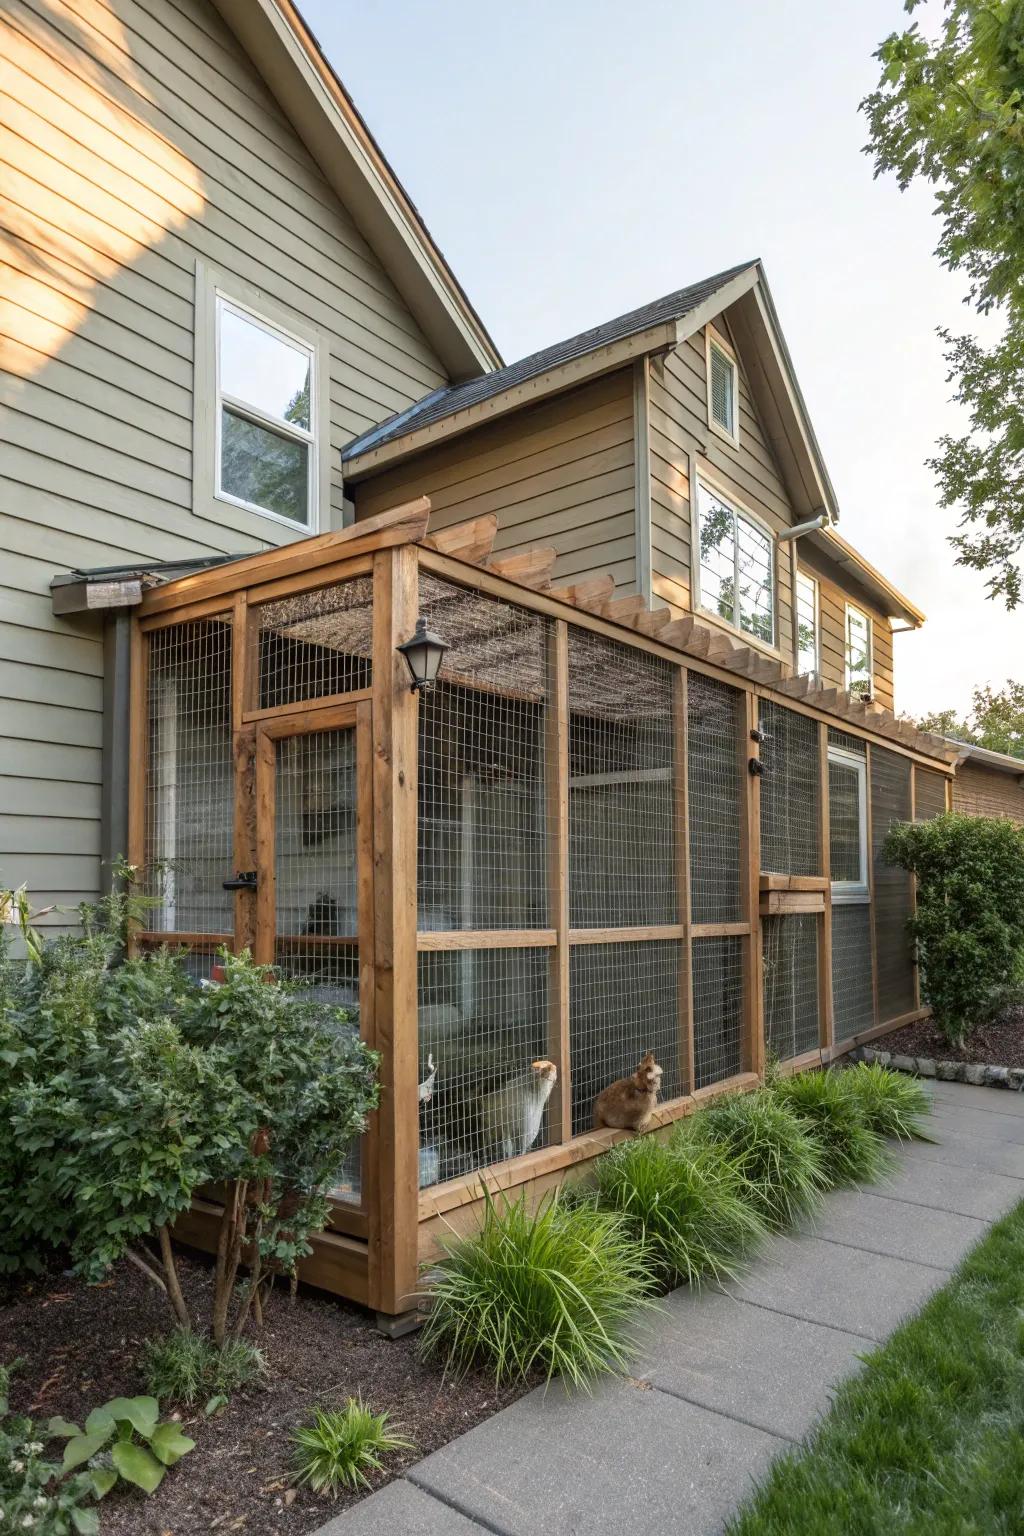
229,1252
174,1290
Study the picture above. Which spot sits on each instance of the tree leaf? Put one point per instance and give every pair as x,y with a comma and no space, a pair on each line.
83,1446
169,1444
103,1479
137,1465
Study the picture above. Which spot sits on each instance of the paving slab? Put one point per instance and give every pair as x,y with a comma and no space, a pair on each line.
867,1294
945,1187
774,1372
401,1508
629,1457
993,1101
879,1223
960,1149
988,1124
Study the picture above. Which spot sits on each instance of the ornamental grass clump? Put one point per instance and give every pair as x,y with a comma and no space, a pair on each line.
892,1103
775,1153
188,1368
852,1153
686,1206
551,1291
342,1445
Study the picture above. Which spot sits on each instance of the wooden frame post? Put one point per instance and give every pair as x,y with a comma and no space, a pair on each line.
826,1028
870,831
394,1214
681,800
243,746
750,860
138,751
557,757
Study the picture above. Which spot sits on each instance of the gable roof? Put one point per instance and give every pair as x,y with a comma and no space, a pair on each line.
297,73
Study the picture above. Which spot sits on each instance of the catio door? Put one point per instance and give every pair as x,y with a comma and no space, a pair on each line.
314,903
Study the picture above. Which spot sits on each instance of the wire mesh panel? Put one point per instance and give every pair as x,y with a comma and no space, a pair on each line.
315,644
893,888
790,966
482,804
621,792
789,792
717,1009
190,777
199,964
485,1078
846,846
929,794
716,787
853,1008
623,1002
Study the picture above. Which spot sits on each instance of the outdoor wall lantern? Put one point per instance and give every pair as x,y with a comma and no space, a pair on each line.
423,655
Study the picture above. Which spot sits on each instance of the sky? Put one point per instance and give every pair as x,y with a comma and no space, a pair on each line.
575,159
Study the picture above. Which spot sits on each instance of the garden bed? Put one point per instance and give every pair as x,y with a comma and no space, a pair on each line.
81,1346
992,1053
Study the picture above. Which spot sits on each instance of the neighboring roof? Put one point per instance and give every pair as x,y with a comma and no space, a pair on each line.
890,599
1001,762
291,62
459,397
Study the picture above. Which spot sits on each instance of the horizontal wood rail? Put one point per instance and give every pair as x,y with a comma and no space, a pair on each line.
201,941
306,706
485,938
626,935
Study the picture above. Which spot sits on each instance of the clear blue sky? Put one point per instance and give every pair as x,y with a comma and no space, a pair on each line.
578,158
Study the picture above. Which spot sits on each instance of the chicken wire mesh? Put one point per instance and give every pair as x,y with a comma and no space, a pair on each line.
789,791
621,791
314,644
717,994
790,969
189,778
482,842
893,887
929,794
623,1002
716,785
853,1007
484,1073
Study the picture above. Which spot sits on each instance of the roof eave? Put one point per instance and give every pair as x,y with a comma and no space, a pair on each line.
1000,762
890,599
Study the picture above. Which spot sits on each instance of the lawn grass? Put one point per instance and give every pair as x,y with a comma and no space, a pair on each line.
929,1437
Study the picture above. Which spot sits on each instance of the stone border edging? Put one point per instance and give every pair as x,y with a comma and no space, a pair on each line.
980,1074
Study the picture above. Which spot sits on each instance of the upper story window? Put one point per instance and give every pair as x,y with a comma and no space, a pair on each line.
807,660
736,569
723,387
847,825
859,660
266,438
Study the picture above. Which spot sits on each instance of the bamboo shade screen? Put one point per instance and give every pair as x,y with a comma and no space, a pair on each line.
790,967
189,778
893,888
929,794
789,792
313,645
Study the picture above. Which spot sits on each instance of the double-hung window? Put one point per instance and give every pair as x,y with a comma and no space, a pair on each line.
807,662
736,568
266,435
859,661
847,825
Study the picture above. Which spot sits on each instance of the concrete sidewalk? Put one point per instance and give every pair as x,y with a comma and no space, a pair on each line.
726,1378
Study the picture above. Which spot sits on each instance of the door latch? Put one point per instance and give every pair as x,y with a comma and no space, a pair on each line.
243,881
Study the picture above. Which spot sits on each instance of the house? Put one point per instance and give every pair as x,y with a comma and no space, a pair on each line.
254,432
988,783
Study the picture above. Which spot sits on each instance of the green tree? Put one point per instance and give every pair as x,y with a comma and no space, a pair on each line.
948,112
995,720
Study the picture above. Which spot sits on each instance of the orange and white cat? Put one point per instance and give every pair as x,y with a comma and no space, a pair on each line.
628,1104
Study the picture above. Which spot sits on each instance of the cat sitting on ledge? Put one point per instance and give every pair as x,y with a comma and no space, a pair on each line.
629,1104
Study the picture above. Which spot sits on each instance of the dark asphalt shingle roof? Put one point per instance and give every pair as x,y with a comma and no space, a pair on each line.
457,397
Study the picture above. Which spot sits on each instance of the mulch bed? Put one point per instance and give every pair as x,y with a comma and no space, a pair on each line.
1000,1043
81,1344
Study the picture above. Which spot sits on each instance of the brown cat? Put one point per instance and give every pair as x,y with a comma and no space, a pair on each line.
628,1104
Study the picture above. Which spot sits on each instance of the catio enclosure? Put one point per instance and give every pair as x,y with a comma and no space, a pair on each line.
563,852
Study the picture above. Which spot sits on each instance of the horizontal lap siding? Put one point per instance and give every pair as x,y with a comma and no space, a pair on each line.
559,473
134,138
980,791
833,598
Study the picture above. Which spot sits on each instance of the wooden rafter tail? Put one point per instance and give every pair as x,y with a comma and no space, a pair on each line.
587,593
678,631
530,568
699,642
721,650
771,671
471,541
796,687
651,623
622,610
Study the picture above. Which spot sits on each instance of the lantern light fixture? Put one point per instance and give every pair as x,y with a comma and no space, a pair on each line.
423,655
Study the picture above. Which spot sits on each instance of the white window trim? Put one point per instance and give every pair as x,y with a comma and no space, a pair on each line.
799,576
702,480
848,609
714,340
847,892
208,500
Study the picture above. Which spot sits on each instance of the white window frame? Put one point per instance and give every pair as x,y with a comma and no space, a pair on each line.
214,289
813,583
854,891
714,341
740,513
853,608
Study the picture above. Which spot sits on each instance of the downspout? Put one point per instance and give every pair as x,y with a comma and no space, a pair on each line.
114,788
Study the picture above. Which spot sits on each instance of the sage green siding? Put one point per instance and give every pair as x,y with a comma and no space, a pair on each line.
137,138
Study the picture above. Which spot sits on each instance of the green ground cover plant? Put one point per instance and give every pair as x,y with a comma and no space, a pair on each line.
929,1437
851,1151
775,1152
893,1103
342,1446
188,1368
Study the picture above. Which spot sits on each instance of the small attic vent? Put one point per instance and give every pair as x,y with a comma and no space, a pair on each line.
722,389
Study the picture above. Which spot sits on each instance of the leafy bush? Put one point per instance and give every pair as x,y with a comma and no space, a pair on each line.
110,1442
969,922
552,1290
892,1103
341,1445
187,1368
851,1151
34,1495
775,1153
686,1206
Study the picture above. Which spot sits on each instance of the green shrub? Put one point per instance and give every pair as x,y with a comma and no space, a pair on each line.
124,1439
553,1290
687,1206
893,1104
341,1445
851,1151
969,924
187,1368
774,1152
